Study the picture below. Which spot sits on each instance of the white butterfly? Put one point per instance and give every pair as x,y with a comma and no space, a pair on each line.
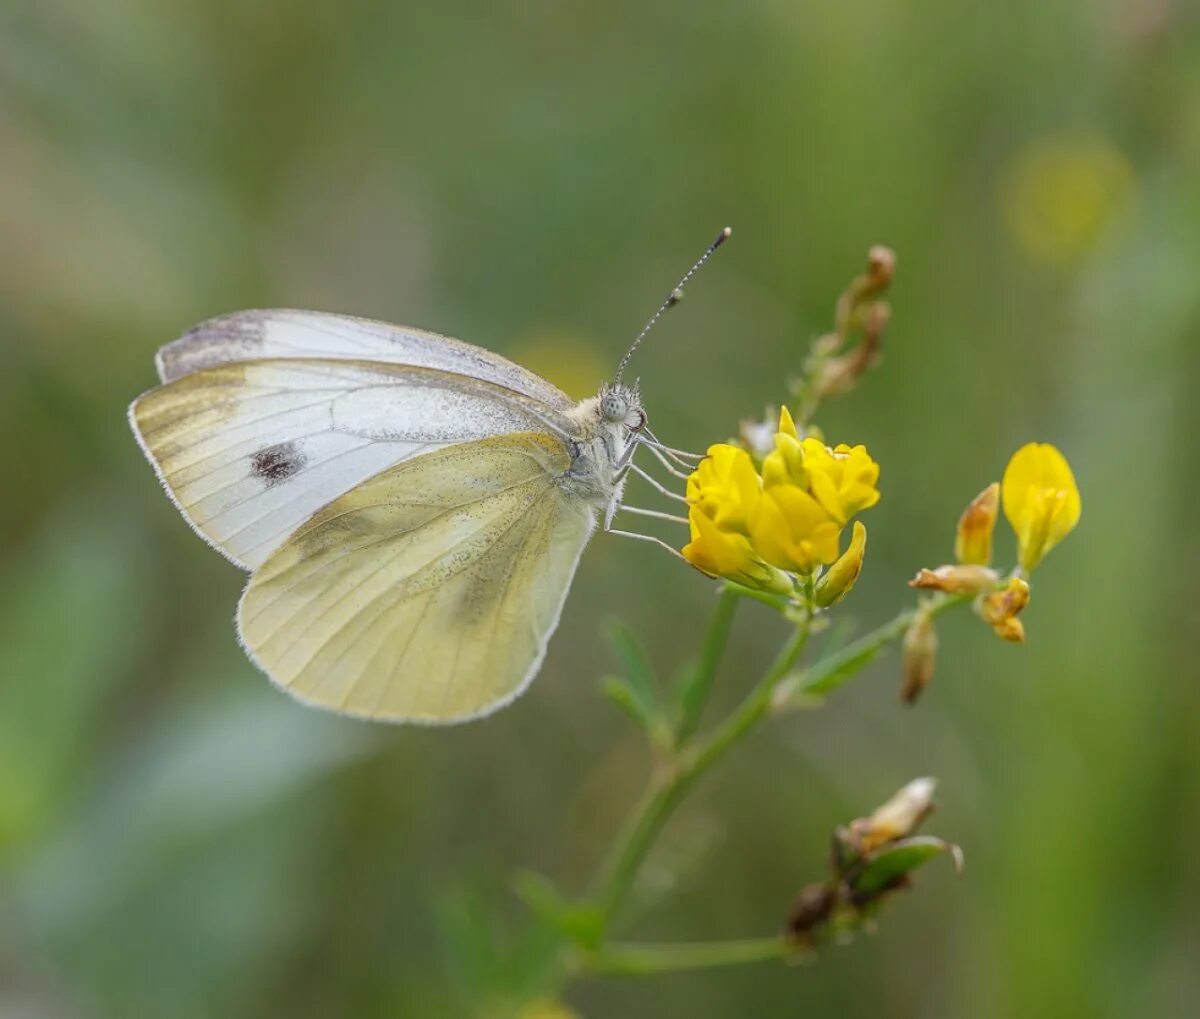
411,508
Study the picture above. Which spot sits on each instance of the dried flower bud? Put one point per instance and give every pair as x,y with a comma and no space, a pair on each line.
881,265
973,542
957,579
810,911
1000,609
896,819
920,654
839,375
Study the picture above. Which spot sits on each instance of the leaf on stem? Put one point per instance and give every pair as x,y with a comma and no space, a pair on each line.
635,692
578,922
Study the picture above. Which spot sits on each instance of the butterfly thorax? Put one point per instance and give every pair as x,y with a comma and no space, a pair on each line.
606,426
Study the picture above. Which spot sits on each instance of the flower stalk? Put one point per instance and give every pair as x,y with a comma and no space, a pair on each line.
768,519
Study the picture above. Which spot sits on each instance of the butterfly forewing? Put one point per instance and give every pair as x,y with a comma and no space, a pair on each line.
252,335
427,593
250,450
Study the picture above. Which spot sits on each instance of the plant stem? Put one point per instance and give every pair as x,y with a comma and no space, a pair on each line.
669,787
633,960
831,672
699,683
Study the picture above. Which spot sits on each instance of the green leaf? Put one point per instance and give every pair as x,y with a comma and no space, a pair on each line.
898,860
634,661
625,697
636,693
580,922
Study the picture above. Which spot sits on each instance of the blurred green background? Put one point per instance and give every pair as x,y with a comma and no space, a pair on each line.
178,839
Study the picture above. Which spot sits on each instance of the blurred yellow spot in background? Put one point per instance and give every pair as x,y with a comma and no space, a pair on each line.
1060,195
569,361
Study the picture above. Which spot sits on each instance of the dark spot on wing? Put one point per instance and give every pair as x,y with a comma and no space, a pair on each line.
275,464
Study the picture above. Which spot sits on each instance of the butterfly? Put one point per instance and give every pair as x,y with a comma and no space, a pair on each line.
411,508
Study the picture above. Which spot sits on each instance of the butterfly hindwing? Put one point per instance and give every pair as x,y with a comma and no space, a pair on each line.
428,592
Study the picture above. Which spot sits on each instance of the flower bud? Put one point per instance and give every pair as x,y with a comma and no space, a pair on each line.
836,582
973,542
966,579
920,654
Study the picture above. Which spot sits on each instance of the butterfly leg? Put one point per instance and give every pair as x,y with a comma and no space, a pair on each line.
662,459
658,486
646,537
680,456
622,508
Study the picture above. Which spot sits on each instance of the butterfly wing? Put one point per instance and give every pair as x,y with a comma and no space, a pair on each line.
254,335
249,450
429,592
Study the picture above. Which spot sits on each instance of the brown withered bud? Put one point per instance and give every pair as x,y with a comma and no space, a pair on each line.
973,539
956,579
840,374
881,265
809,912
869,287
897,818
1001,608
920,656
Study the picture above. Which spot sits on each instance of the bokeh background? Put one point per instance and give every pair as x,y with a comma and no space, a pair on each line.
177,839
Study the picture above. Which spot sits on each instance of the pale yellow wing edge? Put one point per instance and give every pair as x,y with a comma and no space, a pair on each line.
148,453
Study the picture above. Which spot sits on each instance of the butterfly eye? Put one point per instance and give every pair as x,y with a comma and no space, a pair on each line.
613,407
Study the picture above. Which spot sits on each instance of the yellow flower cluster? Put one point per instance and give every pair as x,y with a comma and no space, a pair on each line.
762,527
1041,501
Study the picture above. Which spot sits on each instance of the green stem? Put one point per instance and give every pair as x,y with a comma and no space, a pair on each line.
831,672
632,960
776,601
699,684
672,784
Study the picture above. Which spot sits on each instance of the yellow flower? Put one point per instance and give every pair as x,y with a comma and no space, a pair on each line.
1040,500
722,553
792,531
835,583
725,492
726,486
750,526
1061,194
842,479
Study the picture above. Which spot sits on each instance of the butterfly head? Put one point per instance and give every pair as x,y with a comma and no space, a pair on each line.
620,404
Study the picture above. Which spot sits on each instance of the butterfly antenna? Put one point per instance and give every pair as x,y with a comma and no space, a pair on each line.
673,299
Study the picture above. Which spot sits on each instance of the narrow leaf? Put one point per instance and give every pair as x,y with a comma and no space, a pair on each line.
626,698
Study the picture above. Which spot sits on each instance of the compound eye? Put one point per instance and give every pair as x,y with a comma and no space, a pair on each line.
613,408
